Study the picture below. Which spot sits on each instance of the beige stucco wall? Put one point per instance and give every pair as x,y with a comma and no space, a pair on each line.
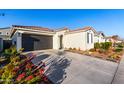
56,39
18,39
78,40
75,40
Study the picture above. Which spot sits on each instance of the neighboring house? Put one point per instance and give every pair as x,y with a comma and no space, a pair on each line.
5,33
119,41
113,40
36,38
99,37
4,37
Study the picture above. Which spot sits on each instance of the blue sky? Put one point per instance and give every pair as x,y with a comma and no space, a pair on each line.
111,22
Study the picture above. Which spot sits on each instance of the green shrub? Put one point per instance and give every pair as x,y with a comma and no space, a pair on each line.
120,45
118,49
105,45
11,51
97,45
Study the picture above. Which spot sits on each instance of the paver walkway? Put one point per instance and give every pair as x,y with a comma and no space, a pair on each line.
72,68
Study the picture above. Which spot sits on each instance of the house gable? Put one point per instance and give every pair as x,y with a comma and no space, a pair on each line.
30,29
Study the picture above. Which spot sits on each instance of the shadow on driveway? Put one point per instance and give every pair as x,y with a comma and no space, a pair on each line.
40,58
57,70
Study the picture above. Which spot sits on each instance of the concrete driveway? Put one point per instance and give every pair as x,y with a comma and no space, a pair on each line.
72,68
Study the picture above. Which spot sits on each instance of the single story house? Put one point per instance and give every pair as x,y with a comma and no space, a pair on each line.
37,38
99,37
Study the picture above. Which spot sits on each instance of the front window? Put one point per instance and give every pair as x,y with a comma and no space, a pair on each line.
88,38
91,38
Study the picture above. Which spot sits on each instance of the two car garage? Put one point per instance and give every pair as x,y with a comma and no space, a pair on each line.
36,42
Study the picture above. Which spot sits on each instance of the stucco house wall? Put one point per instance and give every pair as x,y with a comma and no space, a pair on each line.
74,40
78,40
17,40
56,39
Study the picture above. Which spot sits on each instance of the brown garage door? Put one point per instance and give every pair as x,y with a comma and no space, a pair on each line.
36,42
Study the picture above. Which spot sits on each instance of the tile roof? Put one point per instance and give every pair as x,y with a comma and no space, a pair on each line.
61,29
84,29
33,28
64,28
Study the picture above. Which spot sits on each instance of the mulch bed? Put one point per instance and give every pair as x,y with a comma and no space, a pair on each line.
104,56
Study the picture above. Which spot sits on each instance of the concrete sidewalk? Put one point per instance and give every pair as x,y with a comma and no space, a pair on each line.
119,76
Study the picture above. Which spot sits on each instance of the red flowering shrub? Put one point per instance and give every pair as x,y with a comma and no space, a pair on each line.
20,77
16,69
41,71
36,74
32,73
45,78
22,70
28,66
29,77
